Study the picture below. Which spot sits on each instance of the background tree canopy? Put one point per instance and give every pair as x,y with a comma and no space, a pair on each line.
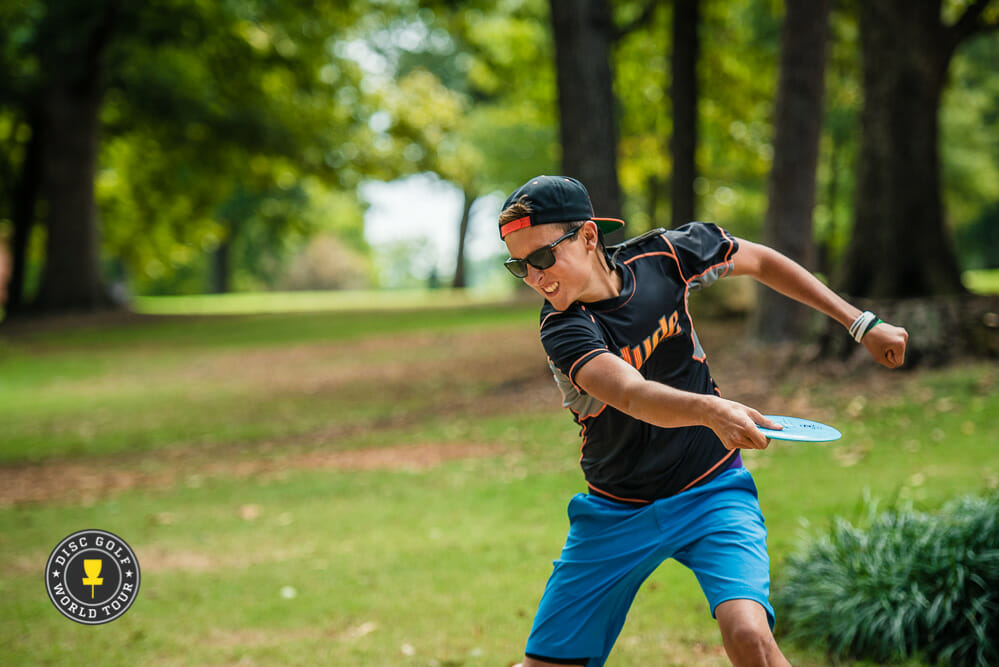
185,146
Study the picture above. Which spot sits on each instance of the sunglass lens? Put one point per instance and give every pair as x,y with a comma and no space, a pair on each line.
517,267
541,259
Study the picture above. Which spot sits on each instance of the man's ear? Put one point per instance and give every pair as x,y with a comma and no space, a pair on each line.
590,234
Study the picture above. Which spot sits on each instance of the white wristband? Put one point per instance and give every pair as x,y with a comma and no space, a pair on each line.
861,325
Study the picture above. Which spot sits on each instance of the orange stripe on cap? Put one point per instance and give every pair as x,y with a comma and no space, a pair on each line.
514,225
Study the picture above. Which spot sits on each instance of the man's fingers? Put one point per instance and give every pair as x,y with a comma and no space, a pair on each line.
756,438
767,423
760,420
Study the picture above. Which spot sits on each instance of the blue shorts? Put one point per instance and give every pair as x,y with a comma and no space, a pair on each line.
716,530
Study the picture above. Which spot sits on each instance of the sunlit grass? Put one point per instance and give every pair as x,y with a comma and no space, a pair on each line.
310,301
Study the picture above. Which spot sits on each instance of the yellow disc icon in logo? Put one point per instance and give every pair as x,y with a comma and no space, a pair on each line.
92,566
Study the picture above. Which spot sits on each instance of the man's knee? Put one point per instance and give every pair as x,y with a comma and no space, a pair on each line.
746,633
749,637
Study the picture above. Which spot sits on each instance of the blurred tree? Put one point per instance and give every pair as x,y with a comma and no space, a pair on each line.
737,73
798,126
695,100
683,92
201,100
645,112
970,153
900,246
839,143
72,42
583,32
464,105
258,98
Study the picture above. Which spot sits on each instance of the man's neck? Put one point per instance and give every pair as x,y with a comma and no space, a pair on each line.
606,284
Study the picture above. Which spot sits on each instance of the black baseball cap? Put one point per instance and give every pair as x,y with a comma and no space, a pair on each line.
555,199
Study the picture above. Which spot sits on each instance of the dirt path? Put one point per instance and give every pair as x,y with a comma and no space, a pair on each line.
86,482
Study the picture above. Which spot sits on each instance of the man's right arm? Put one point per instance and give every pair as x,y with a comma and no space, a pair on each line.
611,380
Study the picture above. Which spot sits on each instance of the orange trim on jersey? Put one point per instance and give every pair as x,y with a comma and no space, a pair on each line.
649,254
686,295
556,313
676,258
731,244
582,360
731,452
580,415
726,262
514,225
582,307
623,500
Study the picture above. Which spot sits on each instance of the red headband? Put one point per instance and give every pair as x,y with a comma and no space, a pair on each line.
514,225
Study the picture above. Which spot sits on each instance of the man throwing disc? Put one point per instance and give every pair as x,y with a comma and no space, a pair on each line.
660,448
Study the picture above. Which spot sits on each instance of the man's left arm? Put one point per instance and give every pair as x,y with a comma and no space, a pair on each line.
885,342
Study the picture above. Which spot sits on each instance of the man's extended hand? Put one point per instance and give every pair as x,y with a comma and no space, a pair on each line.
886,343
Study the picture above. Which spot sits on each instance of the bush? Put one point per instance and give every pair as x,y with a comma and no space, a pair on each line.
909,585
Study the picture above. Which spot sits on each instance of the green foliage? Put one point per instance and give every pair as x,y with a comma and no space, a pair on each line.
978,241
737,110
982,282
737,75
207,104
970,122
460,100
908,583
840,141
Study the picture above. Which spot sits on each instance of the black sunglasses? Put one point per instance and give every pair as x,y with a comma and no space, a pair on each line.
541,259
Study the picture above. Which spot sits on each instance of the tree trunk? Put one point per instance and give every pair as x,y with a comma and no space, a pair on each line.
71,98
683,93
584,32
788,223
900,246
220,269
460,279
23,215
71,279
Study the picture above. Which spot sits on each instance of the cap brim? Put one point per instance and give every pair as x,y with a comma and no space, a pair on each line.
608,225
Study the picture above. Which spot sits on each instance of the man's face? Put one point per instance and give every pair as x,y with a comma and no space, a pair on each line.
563,282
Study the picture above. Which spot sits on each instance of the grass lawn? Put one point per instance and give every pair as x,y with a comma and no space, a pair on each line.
388,487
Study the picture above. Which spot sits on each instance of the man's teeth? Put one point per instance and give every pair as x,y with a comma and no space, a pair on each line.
551,288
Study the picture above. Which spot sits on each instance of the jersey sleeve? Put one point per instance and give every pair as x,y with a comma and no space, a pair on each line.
571,338
703,252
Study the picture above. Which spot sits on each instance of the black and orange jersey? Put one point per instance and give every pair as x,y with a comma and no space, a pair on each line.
649,326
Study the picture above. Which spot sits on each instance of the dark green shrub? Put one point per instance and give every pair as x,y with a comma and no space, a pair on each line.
909,584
